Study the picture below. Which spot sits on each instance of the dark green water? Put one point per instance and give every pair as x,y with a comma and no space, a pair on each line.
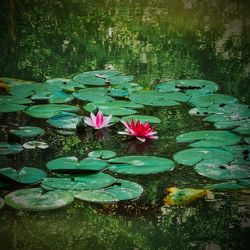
152,40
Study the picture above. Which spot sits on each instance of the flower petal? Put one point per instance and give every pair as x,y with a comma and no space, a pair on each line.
141,139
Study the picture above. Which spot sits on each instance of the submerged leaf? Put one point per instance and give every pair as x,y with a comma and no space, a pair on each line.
10,148
27,131
103,154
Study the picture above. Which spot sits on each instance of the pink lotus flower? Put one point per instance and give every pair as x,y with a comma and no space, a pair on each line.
141,131
99,121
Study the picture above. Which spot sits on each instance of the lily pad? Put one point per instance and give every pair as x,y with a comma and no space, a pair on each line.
103,154
117,92
49,110
35,199
241,153
209,100
67,85
122,190
120,79
180,196
140,165
72,165
154,98
142,118
65,120
7,108
26,90
222,171
83,182
93,95
244,182
27,131
10,148
247,140
193,156
88,79
209,138
190,87
35,145
8,99
25,175
228,185
1,203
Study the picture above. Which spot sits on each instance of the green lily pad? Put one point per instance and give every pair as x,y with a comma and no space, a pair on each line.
117,92
193,156
247,140
129,87
180,196
7,108
64,84
228,185
60,97
27,131
209,100
142,118
120,79
122,190
244,182
8,99
118,108
241,153
154,98
64,121
1,203
10,148
190,87
222,171
25,175
35,199
90,80
93,95
25,90
103,154
140,165
13,81
99,73
209,138
49,110
35,145
72,165
83,182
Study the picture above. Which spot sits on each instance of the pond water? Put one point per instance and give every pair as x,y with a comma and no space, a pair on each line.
155,41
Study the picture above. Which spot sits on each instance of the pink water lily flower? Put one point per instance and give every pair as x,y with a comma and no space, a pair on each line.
141,131
99,121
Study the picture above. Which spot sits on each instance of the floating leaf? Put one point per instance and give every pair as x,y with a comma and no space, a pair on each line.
64,121
8,99
83,182
72,165
140,165
228,185
35,145
193,156
103,154
64,84
1,203
122,190
244,182
247,140
222,171
34,199
27,131
7,108
49,110
10,148
25,175
120,79
180,196
88,79
241,153
26,90
117,92
154,98
142,118
93,95
209,100
209,138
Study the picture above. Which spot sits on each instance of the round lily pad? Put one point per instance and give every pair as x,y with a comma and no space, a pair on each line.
25,175
1,203
247,140
140,165
88,79
209,100
142,118
60,97
72,165
25,90
35,199
83,182
222,171
103,154
118,79
209,138
64,84
64,120
117,92
8,107
27,131
93,95
241,153
154,98
193,156
10,148
35,145
49,110
122,190
244,182
8,99
228,185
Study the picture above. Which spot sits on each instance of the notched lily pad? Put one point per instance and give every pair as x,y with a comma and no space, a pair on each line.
142,118
35,199
103,154
72,165
27,131
25,175
180,196
8,107
140,165
122,190
209,138
93,95
10,148
228,185
35,145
